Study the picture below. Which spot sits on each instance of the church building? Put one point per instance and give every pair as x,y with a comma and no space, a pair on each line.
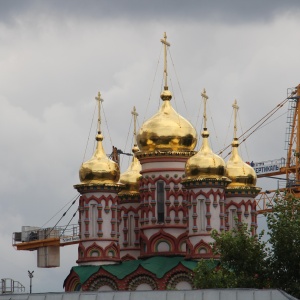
147,228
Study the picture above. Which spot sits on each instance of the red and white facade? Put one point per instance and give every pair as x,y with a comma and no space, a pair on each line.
98,223
206,202
163,210
241,207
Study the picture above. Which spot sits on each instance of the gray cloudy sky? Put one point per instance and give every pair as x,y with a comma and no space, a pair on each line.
56,55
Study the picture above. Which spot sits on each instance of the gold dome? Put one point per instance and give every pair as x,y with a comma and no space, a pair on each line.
99,169
167,130
131,177
205,164
241,174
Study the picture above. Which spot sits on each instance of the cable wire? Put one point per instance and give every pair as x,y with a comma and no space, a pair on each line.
184,102
152,84
69,223
258,125
111,144
87,142
61,217
74,198
127,139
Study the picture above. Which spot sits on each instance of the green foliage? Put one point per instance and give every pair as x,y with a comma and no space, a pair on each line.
208,275
242,259
244,255
284,231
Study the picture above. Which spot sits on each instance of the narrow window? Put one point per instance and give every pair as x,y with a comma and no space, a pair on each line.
131,230
232,218
160,202
93,220
82,226
201,214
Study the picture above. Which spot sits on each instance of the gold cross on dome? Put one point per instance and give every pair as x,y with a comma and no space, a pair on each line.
204,98
166,44
135,114
99,100
235,110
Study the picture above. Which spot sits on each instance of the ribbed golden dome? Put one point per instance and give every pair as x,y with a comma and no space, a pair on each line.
99,169
241,174
205,164
167,130
131,177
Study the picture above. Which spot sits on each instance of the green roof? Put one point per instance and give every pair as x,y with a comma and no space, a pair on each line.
157,265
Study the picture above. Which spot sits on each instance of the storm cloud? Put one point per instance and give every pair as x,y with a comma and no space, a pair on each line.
56,55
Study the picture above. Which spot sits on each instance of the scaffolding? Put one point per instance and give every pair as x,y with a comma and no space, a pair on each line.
10,286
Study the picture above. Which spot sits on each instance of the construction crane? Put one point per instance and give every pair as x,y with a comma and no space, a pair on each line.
288,166
47,241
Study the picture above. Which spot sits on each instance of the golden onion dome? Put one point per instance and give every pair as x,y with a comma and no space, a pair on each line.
241,174
205,164
99,169
130,179
167,130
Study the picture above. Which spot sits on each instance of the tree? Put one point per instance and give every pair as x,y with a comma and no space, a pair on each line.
243,261
284,231
208,274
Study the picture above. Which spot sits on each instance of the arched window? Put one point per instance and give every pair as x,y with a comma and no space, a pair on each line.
95,253
77,287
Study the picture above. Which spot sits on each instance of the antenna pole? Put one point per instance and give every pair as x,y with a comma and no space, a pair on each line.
30,274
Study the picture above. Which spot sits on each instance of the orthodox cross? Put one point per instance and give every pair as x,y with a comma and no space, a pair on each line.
235,110
164,41
135,114
99,100
204,98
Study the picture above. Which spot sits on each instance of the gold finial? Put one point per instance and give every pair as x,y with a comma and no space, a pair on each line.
204,98
99,99
135,114
164,41
99,169
235,109
205,164
241,174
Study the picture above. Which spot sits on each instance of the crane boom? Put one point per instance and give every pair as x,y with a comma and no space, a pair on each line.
33,238
291,166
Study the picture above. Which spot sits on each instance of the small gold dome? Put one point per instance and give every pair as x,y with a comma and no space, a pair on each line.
167,130
99,169
241,174
205,164
131,177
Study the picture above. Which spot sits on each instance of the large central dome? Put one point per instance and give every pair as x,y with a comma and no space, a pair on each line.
167,130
